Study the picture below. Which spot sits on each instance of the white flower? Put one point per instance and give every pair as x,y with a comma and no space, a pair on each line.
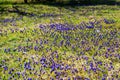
97,30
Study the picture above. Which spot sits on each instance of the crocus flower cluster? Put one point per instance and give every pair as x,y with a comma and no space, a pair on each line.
61,51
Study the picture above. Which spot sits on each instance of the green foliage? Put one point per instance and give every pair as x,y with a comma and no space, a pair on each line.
72,2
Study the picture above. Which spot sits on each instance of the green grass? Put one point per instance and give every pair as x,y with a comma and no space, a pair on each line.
77,15
66,14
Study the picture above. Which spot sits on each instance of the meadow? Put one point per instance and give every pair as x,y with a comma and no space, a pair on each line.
47,42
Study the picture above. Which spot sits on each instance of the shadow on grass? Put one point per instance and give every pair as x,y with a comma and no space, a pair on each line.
15,7
67,2
5,10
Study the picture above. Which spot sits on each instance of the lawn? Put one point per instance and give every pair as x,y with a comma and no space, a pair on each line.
47,42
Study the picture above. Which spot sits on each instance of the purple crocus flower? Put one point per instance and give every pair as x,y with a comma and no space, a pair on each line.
108,49
99,62
106,21
106,55
51,78
103,78
68,43
42,60
36,48
109,21
86,79
67,67
27,65
94,69
61,79
61,42
52,25
52,68
69,79
29,78
5,68
62,27
57,73
89,27
18,73
91,64
11,70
